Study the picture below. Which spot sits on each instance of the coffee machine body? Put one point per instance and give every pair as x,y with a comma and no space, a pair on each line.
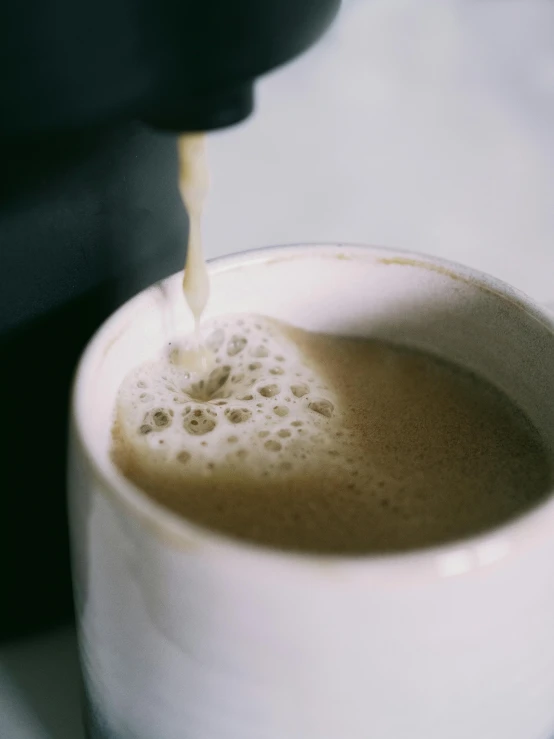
92,97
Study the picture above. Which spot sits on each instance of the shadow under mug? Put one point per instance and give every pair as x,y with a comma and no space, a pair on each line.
186,633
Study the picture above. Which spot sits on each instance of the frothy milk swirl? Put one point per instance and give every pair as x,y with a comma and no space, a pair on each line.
260,401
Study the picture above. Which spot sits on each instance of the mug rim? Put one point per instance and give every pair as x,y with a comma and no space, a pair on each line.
451,558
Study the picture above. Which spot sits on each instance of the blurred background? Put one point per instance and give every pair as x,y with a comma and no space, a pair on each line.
425,125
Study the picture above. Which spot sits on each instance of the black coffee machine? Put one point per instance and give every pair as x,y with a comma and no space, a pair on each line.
91,97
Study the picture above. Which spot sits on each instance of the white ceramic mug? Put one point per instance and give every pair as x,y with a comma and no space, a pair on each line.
186,634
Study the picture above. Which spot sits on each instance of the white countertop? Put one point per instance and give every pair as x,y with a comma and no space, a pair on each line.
421,124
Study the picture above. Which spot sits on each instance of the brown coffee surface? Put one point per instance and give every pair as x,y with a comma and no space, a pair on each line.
329,444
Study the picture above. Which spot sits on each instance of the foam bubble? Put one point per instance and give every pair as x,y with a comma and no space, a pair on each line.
322,406
199,421
236,345
269,391
238,415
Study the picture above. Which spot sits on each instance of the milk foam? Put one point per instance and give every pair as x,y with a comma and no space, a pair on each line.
261,402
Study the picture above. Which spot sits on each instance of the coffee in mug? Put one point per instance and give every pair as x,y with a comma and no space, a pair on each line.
309,441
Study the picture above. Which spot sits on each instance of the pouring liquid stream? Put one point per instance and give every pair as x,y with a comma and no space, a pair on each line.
193,186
